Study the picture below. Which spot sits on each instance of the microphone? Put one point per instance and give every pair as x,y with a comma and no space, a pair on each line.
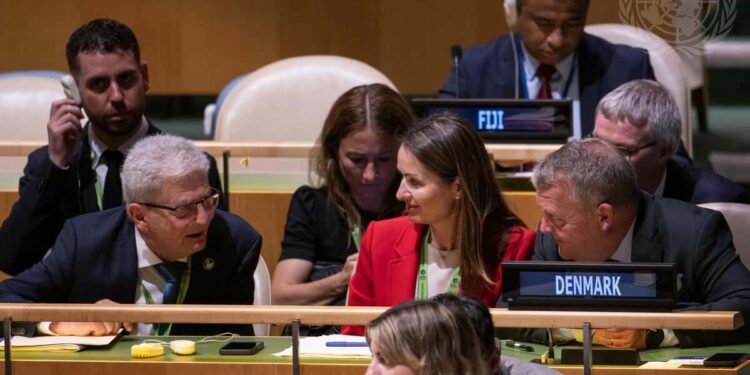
515,62
456,53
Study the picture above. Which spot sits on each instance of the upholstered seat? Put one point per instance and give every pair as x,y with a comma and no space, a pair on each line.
25,100
262,295
286,102
737,216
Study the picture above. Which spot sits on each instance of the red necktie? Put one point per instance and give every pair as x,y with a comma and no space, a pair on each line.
545,72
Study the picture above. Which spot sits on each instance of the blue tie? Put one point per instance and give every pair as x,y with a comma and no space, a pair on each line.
171,272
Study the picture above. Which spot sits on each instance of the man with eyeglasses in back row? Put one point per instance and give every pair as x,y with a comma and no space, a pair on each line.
167,244
641,119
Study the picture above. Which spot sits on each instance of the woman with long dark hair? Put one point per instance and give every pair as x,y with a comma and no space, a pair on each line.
457,229
356,165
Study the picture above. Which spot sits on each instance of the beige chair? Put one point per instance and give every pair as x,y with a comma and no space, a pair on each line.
262,295
737,216
287,102
667,64
25,99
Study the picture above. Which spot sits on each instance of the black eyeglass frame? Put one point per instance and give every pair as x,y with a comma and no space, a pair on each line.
193,206
627,152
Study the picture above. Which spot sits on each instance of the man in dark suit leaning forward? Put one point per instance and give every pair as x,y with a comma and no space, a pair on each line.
168,244
593,211
641,119
552,58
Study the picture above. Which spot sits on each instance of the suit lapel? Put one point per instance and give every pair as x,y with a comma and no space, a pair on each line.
590,72
403,267
677,184
86,175
647,246
126,264
152,129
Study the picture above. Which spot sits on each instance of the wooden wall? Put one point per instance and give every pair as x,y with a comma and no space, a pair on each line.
197,46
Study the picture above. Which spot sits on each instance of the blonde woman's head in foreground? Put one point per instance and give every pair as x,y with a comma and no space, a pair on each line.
423,337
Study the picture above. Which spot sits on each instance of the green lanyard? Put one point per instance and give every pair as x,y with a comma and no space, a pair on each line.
163,329
356,235
422,292
98,184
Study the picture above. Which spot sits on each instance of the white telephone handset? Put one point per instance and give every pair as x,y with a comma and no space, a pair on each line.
70,88
511,13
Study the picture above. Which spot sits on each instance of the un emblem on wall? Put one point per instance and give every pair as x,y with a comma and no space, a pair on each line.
684,24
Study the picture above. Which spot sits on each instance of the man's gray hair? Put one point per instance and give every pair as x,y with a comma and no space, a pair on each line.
645,103
592,170
156,158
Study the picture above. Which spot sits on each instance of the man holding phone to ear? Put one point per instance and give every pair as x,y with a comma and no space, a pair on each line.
547,56
78,171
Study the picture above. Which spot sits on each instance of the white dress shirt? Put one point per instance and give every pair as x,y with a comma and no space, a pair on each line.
148,278
557,84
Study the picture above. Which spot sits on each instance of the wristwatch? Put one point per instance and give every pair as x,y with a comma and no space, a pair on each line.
654,337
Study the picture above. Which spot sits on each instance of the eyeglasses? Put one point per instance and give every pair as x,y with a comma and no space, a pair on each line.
183,211
625,151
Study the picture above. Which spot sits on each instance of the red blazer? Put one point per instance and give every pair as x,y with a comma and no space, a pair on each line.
386,273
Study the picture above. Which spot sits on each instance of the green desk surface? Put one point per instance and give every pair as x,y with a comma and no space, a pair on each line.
209,352
652,355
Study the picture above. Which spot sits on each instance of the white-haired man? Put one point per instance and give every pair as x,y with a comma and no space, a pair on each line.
167,244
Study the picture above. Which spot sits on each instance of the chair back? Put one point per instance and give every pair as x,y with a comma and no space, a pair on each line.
737,216
262,295
667,64
25,101
288,100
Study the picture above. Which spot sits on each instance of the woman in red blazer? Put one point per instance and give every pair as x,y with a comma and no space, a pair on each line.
457,231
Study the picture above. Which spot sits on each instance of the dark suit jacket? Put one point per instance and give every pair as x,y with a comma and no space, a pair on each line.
48,196
487,71
699,243
88,265
690,184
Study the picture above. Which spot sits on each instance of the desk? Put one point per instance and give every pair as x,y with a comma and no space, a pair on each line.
116,360
83,363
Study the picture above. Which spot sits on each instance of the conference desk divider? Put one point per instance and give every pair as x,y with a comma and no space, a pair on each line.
340,315
499,151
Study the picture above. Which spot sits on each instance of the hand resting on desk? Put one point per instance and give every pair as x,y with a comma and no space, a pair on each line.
620,338
90,328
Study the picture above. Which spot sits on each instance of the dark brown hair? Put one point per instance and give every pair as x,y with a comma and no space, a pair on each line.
446,145
101,35
376,106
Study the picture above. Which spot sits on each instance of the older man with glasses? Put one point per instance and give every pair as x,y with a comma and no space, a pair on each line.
641,119
168,244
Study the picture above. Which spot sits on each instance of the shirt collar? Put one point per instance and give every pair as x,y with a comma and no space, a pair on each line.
98,147
659,192
563,67
146,257
624,251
